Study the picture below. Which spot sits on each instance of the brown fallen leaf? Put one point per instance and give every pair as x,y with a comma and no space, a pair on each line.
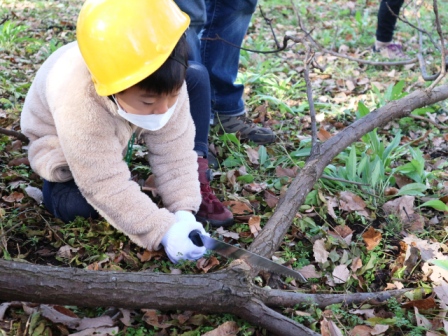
361,330
271,199
379,329
229,328
261,110
356,264
153,318
205,264
126,318
421,320
228,234
350,85
391,191
402,180
323,134
414,222
15,196
442,292
372,238
427,303
254,225
238,208
401,207
343,230
150,185
309,271
320,253
149,255
59,315
341,274
349,201
252,155
19,161
255,187
329,328
288,172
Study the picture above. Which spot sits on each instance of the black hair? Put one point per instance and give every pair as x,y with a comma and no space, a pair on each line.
171,75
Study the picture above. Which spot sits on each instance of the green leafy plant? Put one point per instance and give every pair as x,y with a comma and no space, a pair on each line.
10,34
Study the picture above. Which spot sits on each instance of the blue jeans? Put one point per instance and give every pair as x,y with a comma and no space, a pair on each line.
229,20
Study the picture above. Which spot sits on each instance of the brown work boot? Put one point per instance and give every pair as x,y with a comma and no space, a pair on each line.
211,209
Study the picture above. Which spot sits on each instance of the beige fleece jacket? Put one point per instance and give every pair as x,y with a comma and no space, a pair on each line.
76,134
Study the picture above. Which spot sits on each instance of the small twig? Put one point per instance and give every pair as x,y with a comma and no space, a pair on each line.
269,23
15,134
309,94
283,47
416,117
409,218
442,50
4,20
421,59
404,62
422,64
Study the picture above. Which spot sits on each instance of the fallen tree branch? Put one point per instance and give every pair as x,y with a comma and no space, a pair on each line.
229,291
15,134
279,298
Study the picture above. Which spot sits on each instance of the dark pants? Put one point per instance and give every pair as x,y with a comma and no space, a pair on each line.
387,20
65,201
198,86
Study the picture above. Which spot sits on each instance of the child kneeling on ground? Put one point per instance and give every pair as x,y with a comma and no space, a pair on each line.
124,77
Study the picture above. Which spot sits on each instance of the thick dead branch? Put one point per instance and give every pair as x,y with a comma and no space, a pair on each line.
270,238
278,298
229,291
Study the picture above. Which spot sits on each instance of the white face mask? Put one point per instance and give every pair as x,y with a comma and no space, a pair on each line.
150,122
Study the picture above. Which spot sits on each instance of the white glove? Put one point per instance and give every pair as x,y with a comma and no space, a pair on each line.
176,242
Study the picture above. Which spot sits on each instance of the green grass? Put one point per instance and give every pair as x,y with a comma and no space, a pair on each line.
276,82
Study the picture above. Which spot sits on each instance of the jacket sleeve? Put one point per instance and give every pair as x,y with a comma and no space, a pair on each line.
87,133
173,160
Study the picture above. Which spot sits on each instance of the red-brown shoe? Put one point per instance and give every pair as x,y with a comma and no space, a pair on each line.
211,209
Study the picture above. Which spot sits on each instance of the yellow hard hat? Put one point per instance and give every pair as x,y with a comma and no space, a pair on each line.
123,42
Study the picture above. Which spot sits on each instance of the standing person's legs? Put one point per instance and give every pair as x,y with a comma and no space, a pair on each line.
198,85
229,20
387,20
196,10
385,29
199,94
